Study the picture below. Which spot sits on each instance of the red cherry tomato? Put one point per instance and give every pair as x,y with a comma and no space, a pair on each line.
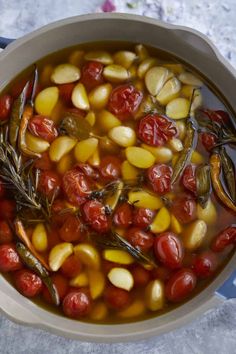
6,234
72,229
161,273
159,177
117,298
140,239
189,178
43,127
5,107
9,258
141,276
65,91
53,238
28,283
71,267
95,215
43,163
107,266
91,75
205,264
88,170
208,140
49,183
218,116
61,285
7,209
76,186
124,101
184,209
156,130
169,250
142,217
110,168
224,239
77,304
123,215
180,285
2,189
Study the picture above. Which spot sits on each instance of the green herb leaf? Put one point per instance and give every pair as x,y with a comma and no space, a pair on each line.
76,126
203,181
228,173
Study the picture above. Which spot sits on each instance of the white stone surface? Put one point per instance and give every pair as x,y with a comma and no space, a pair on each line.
214,332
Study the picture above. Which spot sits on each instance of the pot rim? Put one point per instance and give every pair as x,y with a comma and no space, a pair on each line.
36,316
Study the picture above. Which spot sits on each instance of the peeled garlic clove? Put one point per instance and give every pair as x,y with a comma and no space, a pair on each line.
45,75
112,200
181,127
132,72
175,225
118,256
139,157
162,154
194,235
36,144
190,79
169,91
154,295
161,221
76,57
107,120
208,214
84,149
175,68
121,278
175,144
96,283
88,255
124,58
99,311
95,160
187,91
99,96
178,108
80,280
65,164
115,73
123,136
65,74
60,147
143,199
129,172
91,118
79,97
100,56
137,308
39,238
197,158
59,254
141,52
145,65
197,101
155,79
46,100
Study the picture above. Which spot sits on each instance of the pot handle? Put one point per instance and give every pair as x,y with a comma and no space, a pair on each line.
228,289
5,41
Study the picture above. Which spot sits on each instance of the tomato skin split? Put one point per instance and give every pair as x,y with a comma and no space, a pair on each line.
76,186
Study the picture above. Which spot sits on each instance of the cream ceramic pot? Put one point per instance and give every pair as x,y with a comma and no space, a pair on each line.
188,45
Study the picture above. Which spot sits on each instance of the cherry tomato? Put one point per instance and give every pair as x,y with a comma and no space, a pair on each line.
140,239
180,285
43,163
205,264
142,217
141,276
224,239
95,215
110,168
184,209
76,186
107,266
123,215
117,298
28,283
49,183
5,107
169,250
189,178
7,209
161,273
124,101
72,229
71,267
208,140
2,189
88,170
91,75
218,116
9,258
6,234
59,213
43,127
65,91
77,304
159,177
53,238
156,130
76,111
61,285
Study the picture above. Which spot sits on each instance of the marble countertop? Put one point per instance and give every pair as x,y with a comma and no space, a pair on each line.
214,332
